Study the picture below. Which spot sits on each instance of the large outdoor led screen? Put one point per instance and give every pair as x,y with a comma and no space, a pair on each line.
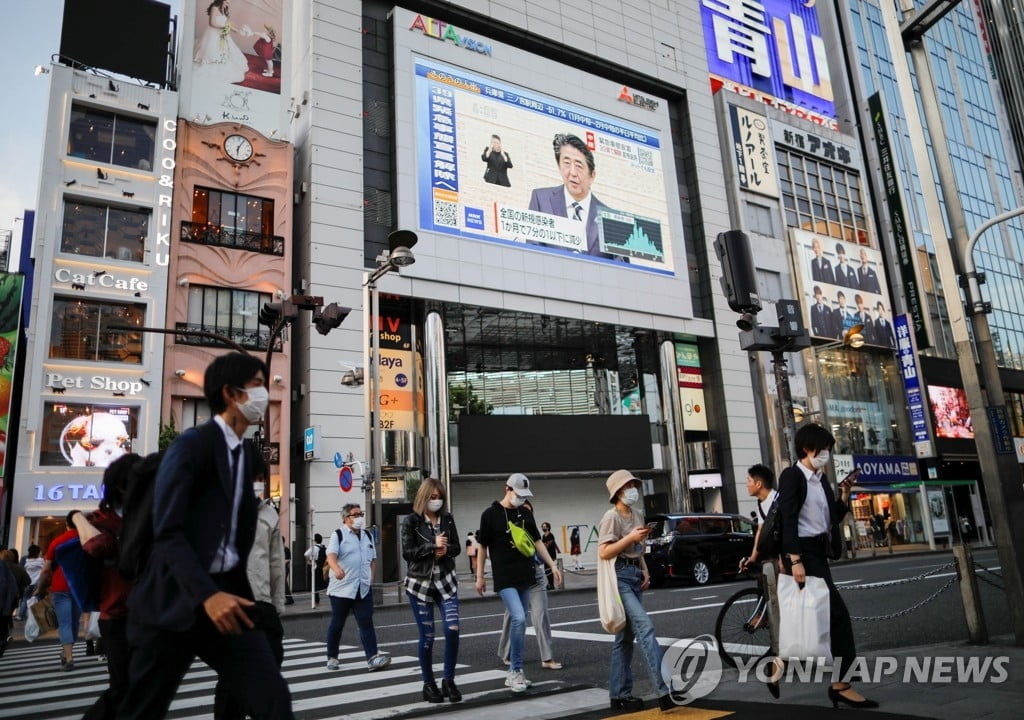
951,412
487,169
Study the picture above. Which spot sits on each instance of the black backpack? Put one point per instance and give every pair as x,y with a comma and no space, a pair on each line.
135,542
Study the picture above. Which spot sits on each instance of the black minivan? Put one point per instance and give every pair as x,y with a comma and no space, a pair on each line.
697,546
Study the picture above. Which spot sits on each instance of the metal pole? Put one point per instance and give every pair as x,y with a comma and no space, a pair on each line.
779,363
375,434
312,564
678,482
999,471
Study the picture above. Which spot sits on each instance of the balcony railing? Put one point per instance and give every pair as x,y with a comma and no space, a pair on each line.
256,340
220,236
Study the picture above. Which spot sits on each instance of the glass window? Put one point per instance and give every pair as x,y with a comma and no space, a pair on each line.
715,526
814,209
84,329
232,220
231,313
106,137
80,435
104,231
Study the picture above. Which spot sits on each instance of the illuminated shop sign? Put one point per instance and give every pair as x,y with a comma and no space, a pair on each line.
771,50
93,382
487,169
162,256
443,31
634,98
102,279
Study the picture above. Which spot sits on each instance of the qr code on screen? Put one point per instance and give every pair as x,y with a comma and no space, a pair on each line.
645,157
446,213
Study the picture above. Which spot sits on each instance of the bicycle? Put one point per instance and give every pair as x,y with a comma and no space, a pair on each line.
742,628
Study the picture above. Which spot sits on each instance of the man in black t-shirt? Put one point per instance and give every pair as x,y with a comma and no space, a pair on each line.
513,572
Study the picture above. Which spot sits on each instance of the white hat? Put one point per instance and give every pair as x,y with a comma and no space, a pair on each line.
616,480
520,483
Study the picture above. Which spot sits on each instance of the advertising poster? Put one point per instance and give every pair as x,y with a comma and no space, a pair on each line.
691,387
756,166
11,287
912,386
486,168
237,57
402,400
842,284
937,512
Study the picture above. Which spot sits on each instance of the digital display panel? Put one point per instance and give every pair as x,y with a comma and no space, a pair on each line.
499,163
951,412
86,435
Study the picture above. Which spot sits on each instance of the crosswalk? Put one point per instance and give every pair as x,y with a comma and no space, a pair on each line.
32,687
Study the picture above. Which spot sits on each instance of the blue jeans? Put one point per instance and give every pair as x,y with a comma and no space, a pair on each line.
362,608
517,602
638,626
68,617
423,612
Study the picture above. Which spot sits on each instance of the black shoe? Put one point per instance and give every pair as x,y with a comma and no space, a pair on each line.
627,703
837,697
451,692
431,694
90,648
666,702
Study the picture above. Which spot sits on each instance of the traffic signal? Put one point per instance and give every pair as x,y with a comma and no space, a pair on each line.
738,279
271,313
330,317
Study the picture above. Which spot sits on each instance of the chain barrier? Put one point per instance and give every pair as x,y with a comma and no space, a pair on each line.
979,566
912,608
982,578
903,581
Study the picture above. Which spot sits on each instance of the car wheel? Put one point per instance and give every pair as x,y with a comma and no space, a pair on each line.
700,572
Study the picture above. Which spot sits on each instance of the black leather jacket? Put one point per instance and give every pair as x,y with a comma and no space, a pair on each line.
418,545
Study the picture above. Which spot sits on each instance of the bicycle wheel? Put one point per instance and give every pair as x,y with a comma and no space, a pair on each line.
741,629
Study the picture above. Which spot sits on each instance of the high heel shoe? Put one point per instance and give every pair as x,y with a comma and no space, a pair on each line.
773,682
837,697
431,694
451,692
627,703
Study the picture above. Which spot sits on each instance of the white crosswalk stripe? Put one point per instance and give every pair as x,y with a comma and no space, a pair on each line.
34,688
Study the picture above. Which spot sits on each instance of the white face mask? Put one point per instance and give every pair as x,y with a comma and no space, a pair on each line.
358,523
517,501
630,496
435,505
255,407
820,460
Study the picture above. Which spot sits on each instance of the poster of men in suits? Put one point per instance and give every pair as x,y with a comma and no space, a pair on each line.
842,284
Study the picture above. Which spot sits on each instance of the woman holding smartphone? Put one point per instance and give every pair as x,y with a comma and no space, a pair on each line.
811,514
621,536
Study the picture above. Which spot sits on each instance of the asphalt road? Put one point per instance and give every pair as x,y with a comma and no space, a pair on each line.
681,610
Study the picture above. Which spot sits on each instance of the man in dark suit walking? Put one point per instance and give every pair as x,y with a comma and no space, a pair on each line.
573,198
194,598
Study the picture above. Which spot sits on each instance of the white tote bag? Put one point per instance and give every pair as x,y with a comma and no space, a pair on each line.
804,620
609,603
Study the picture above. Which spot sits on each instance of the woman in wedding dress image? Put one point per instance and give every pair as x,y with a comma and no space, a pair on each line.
217,56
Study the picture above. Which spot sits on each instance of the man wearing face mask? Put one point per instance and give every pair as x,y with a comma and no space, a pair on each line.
194,599
350,556
514,572
810,514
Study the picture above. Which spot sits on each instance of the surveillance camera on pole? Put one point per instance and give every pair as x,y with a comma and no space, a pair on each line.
739,281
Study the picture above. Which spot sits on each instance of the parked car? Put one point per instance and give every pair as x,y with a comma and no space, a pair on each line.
697,546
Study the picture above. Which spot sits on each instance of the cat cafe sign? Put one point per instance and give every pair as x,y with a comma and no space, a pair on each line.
82,279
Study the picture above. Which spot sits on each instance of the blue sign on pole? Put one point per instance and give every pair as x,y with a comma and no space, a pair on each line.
999,422
911,381
309,443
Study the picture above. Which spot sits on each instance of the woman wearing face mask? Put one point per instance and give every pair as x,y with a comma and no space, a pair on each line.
514,572
430,543
621,536
810,515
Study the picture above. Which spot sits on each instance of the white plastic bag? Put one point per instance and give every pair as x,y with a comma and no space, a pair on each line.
804,620
609,602
31,626
93,631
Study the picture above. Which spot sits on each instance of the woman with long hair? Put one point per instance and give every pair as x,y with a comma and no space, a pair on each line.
430,543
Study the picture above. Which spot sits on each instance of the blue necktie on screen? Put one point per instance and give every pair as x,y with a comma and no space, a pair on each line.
577,211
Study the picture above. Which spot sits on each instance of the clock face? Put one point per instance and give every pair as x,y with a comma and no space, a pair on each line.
238,148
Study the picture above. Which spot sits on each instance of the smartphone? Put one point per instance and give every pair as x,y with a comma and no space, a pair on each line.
654,525
851,477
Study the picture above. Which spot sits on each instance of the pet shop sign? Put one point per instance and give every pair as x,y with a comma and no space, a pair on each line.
81,280
94,382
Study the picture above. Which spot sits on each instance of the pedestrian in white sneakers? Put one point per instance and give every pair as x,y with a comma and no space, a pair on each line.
509,534
350,557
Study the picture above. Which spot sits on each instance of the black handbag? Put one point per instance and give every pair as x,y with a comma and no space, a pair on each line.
769,542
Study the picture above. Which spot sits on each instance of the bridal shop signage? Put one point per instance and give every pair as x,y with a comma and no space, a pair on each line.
238,53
